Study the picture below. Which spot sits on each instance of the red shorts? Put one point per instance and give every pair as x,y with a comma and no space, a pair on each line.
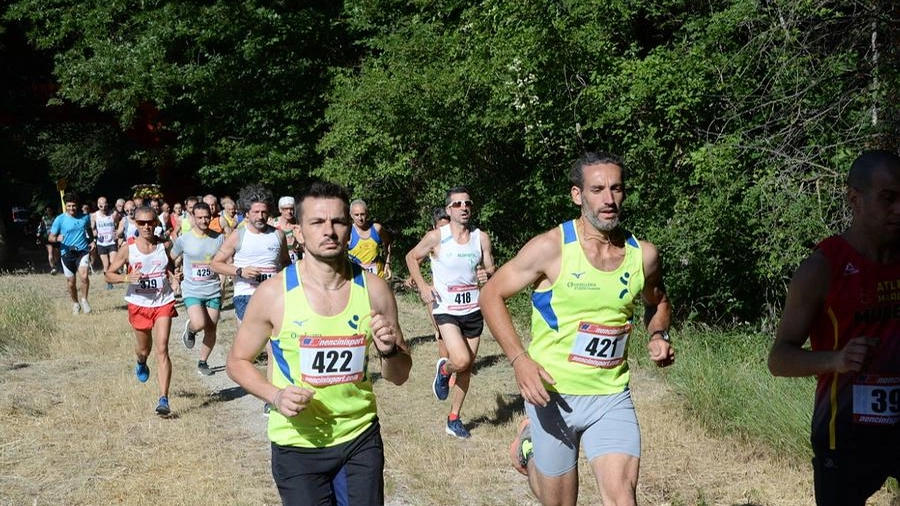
143,318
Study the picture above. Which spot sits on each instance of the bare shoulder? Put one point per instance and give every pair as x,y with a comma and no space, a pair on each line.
812,274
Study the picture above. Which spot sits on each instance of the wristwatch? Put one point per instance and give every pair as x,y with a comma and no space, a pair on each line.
238,272
664,334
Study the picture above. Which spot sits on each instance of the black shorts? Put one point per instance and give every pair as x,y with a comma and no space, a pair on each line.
470,325
305,475
849,477
106,250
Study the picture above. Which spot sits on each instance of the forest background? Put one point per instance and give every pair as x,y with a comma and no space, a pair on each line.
737,119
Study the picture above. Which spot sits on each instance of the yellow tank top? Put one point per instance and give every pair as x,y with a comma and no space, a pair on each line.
581,324
327,354
366,251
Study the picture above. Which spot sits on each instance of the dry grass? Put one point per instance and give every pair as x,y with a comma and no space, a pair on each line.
78,429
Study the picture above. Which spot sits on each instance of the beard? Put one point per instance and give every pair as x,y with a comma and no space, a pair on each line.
596,222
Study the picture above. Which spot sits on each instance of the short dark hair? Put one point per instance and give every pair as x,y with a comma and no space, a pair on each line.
201,205
860,175
70,197
145,209
252,194
455,189
437,214
576,173
324,190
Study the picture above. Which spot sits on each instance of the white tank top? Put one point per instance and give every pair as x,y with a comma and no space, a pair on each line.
453,274
106,229
260,250
153,289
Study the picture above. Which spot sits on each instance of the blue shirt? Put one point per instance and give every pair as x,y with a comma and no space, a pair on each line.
75,231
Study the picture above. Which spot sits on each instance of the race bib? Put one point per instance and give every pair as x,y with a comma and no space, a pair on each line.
264,274
332,360
373,267
202,272
462,297
600,345
105,237
876,400
151,284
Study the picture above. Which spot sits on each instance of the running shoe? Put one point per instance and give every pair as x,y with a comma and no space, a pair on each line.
188,337
521,449
203,368
109,286
162,409
266,409
85,307
441,385
53,271
455,428
76,308
142,372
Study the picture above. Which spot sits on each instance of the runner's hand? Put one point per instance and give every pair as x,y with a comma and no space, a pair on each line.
482,274
854,356
530,377
427,295
661,352
383,334
291,400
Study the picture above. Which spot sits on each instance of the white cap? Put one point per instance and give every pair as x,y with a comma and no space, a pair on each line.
285,202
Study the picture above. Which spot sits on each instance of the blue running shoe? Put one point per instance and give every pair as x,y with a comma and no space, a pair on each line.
441,384
162,408
142,372
455,428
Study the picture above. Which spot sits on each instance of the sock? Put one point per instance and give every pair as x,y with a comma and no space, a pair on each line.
453,416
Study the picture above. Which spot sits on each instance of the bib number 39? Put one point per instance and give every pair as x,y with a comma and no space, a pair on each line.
876,400
600,346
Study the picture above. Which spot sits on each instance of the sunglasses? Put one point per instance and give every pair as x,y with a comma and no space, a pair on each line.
456,204
142,223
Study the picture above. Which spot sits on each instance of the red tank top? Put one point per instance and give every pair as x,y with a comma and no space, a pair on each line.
863,300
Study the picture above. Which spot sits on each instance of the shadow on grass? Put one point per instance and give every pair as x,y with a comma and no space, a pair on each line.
509,406
416,341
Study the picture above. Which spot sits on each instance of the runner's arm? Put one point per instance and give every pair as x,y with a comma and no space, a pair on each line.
414,261
387,240
805,299
112,272
529,266
486,267
222,261
386,334
658,312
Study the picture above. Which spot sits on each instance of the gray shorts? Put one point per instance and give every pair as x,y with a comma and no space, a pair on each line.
604,424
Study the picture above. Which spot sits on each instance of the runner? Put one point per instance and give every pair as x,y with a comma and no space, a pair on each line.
187,220
587,275
337,310
151,300
228,217
845,299
370,243
287,224
460,260
439,218
43,232
252,255
202,294
128,229
213,202
72,230
103,226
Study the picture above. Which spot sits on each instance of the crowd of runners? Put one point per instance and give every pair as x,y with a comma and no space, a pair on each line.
310,292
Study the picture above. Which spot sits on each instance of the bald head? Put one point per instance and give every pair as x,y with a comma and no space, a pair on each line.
867,164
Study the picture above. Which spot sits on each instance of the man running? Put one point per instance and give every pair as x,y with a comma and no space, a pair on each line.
286,222
72,230
151,299
213,202
322,316
460,260
201,291
103,225
587,275
370,243
127,229
845,299
43,233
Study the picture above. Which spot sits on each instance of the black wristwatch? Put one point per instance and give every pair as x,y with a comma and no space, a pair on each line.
238,272
664,334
